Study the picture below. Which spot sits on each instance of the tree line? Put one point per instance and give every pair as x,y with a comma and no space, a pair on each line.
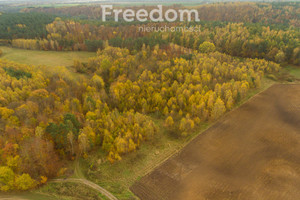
236,39
284,13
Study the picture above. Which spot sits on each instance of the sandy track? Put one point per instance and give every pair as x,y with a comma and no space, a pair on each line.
252,153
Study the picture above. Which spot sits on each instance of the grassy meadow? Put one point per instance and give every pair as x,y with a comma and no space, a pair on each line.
294,71
47,58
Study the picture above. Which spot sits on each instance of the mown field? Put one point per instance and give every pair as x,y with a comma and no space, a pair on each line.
47,58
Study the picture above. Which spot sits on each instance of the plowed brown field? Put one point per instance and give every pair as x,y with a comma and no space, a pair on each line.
251,153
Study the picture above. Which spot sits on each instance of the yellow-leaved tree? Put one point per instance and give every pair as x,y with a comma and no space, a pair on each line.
219,109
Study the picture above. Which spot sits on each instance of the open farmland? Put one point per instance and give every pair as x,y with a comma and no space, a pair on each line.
251,153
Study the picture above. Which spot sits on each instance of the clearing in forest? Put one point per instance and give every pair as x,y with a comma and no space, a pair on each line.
47,58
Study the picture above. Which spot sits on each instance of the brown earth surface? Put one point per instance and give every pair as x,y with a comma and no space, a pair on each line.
251,153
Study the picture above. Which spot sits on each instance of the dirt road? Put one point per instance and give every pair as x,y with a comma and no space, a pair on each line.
89,184
252,153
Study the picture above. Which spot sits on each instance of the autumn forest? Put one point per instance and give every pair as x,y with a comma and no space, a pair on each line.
113,102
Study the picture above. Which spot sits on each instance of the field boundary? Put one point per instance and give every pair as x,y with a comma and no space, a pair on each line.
167,177
208,127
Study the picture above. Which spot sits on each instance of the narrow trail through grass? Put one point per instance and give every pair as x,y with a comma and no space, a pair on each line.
80,178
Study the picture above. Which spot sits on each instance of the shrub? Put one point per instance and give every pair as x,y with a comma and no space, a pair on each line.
17,73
